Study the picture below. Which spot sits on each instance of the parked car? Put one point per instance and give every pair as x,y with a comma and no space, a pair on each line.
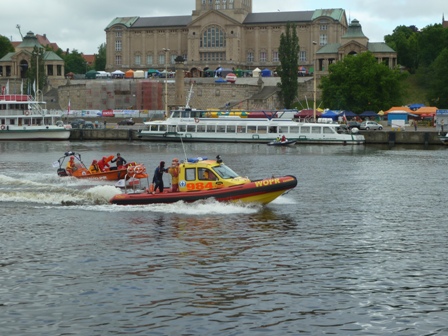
81,123
352,124
126,122
371,125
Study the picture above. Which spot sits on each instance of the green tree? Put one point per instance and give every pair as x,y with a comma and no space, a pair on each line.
359,83
5,46
438,81
36,72
432,40
289,64
404,41
74,62
100,58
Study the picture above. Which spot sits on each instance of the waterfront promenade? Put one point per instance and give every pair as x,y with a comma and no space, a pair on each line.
423,136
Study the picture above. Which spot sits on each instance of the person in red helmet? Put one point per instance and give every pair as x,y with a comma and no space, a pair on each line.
103,164
71,167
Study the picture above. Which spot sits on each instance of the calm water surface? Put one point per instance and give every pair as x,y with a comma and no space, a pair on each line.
358,248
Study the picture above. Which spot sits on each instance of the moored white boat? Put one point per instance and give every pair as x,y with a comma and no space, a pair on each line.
23,118
195,126
444,139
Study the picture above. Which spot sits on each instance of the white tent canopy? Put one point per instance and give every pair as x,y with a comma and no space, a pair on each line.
256,72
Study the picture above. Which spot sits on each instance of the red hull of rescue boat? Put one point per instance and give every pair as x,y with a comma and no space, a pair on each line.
260,191
110,175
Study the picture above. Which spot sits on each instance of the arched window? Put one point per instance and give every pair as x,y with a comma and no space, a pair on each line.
213,37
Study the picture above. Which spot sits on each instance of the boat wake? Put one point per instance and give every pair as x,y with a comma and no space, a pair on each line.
67,192
80,194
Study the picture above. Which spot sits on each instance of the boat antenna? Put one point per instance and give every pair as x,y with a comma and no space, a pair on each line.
190,94
182,143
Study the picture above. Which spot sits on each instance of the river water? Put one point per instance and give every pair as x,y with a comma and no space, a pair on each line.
358,248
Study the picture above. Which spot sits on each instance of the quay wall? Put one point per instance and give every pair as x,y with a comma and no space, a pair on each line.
372,137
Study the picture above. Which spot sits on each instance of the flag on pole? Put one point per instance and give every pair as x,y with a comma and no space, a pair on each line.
21,88
7,87
344,118
34,87
68,107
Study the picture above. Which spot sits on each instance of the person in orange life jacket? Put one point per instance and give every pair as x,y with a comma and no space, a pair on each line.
174,172
157,180
103,164
120,161
94,168
70,168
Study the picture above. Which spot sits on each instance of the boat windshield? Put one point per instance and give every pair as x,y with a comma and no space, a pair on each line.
225,172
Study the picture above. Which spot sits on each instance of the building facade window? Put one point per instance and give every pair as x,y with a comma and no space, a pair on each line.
118,34
118,60
231,4
263,57
149,59
59,70
275,56
118,45
213,37
49,69
302,56
137,60
250,57
162,59
323,39
212,56
323,27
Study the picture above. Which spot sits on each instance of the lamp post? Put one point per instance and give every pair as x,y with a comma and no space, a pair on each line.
37,92
166,50
314,84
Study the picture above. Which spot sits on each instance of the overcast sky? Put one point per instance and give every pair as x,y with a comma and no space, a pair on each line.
80,24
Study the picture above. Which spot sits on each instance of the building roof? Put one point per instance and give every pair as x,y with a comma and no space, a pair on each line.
330,48
162,21
126,21
43,40
277,17
7,57
89,58
252,18
354,31
335,13
379,47
29,41
51,56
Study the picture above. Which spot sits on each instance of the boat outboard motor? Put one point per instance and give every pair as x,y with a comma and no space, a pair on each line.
62,172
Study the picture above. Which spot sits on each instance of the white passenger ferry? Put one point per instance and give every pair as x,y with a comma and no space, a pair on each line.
205,126
23,118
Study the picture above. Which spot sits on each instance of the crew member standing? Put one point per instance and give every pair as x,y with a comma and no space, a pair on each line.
174,172
120,161
157,180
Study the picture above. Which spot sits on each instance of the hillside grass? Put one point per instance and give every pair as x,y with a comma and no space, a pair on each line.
414,94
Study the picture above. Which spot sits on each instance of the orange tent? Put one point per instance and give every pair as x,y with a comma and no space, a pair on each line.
429,110
399,109
129,74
